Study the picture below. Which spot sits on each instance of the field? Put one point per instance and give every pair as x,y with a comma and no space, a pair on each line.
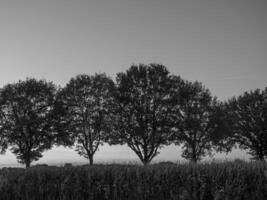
230,180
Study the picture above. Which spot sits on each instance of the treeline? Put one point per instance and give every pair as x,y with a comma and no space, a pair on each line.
146,108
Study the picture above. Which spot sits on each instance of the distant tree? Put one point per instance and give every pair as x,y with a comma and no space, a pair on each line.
85,112
26,118
197,120
143,97
248,113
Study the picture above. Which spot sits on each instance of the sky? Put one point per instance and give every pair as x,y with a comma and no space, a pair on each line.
221,43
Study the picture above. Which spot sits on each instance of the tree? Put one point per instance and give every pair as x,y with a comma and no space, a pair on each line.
248,112
26,118
3,139
197,120
3,144
85,109
144,107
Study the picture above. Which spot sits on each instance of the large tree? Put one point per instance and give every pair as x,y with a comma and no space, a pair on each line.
85,112
198,120
26,118
143,97
248,113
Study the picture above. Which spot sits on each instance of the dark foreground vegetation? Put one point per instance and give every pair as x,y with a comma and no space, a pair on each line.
230,180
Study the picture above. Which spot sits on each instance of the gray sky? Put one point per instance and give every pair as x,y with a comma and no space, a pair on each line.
222,43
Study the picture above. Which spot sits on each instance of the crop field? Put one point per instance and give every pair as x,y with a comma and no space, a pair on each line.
230,180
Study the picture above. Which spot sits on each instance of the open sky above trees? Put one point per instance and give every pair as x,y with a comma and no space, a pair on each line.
219,43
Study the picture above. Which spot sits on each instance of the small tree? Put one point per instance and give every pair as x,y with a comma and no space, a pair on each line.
85,112
197,120
248,113
143,97
26,119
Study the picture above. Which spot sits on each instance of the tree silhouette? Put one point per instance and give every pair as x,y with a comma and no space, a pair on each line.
85,112
196,120
26,118
3,138
3,143
248,113
143,99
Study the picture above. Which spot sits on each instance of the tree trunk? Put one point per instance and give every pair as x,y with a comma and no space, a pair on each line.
194,160
146,161
28,163
91,159
194,155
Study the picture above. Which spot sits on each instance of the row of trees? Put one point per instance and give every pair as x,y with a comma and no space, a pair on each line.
145,108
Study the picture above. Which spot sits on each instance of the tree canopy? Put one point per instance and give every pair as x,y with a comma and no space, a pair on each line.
146,109
143,97
197,119
3,138
86,112
248,114
26,118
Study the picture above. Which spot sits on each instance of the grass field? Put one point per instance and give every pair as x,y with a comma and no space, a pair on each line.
230,180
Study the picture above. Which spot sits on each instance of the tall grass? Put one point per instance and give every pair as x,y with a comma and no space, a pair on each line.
214,181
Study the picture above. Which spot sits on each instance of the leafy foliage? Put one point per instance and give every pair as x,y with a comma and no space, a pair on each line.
26,118
3,142
3,137
248,114
147,109
197,119
85,111
144,102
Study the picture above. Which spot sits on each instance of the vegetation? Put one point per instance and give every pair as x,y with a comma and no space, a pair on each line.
196,121
144,116
146,108
3,144
26,122
248,114
240,181
85,111
3,138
